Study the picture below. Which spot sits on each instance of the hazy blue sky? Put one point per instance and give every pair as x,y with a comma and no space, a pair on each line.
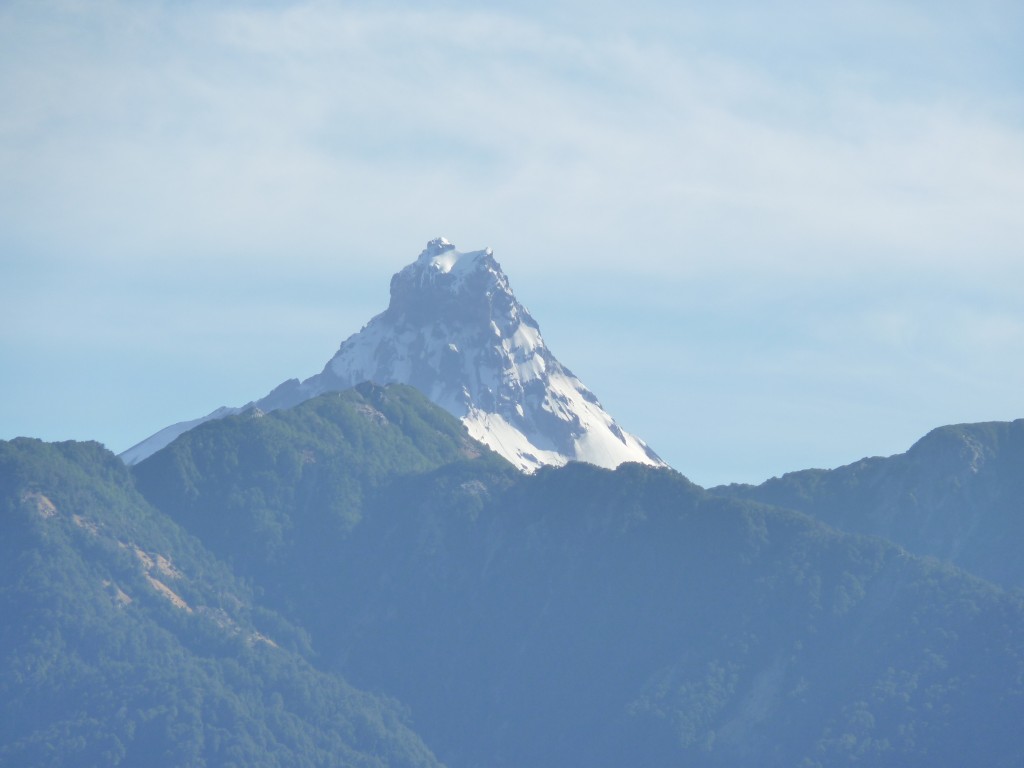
767,235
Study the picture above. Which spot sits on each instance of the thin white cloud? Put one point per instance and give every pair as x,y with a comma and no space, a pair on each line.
246,130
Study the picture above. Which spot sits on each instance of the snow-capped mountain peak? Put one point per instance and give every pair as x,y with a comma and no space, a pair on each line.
440,257
455,331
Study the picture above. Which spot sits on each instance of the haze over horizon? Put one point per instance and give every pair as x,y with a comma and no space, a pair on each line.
767,239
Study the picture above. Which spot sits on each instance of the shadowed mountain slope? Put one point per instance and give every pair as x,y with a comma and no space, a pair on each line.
957,494
582,616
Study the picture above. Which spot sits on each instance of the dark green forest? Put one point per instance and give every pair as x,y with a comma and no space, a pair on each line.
125,642
957,494
355,582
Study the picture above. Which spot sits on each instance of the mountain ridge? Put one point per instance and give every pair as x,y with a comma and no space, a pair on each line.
581,615
573,616
954,494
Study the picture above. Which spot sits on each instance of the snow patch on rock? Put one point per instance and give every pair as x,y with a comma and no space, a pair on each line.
454,330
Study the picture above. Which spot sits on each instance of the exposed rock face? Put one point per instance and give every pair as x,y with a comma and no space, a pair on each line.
455,331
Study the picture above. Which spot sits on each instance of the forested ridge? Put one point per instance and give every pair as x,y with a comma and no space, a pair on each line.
355,582
125,642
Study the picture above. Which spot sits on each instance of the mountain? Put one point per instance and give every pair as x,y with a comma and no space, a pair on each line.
276,492
956,494
455,331
582,616
124,641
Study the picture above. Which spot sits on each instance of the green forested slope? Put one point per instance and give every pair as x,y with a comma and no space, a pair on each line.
957,494
587,617
598,618
124,642
275,494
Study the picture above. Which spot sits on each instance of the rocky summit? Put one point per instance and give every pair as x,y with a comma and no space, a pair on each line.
454,330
